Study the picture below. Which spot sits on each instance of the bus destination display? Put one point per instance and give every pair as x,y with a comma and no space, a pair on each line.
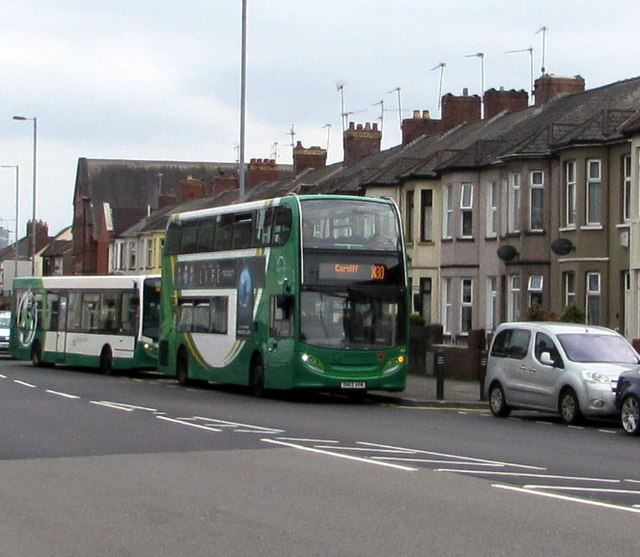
351,271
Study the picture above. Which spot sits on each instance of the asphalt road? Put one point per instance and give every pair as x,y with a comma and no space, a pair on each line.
136,465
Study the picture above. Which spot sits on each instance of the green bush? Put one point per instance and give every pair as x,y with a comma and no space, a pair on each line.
416,319
572,313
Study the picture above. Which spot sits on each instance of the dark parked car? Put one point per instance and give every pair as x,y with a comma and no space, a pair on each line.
628,401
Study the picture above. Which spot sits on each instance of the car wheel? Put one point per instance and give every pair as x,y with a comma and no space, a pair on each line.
569,407
497,402
630,415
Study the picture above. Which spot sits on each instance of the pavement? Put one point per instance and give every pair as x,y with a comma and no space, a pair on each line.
422,390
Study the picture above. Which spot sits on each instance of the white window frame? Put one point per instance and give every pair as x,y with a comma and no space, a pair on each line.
626,188
536,187
513,303
593,287
447,306
492,209
426,216
466,304
569,287
492,303
132,253
514,202
447,211
570,194
594,192
466,208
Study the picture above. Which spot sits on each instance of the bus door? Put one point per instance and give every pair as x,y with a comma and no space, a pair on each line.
58,324
280,344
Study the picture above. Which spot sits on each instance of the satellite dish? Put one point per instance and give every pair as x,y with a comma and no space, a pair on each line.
507,253
562,246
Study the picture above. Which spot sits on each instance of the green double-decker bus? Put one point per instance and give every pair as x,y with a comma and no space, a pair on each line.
108,322
304,291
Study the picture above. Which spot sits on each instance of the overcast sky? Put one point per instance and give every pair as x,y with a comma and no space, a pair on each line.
160,79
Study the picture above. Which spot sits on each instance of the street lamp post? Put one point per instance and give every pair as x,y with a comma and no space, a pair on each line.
15,241
33,208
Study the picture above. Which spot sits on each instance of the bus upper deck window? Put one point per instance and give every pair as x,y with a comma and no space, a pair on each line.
281,225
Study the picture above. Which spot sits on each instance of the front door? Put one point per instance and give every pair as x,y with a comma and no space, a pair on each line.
280,342
59,324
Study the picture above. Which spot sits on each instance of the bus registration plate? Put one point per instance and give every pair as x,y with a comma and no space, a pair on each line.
353,385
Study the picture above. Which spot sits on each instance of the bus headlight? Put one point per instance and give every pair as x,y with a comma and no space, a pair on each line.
312,363
394,364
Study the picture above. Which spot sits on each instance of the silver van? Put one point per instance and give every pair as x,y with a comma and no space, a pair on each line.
5,325
566,368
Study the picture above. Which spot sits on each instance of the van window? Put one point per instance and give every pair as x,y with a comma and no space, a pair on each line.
511,343
545,344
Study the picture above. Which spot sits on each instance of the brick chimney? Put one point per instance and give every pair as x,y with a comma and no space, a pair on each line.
549,87
224,181
459,110
167,199
191,188
499,101
421,124
42,235
313,157
359,142
262,170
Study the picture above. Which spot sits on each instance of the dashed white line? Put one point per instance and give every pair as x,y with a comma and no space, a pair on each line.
64,395
2,376
24,383
121,406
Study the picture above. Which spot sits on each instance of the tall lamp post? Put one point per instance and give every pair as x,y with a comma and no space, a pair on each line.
15,242
33,209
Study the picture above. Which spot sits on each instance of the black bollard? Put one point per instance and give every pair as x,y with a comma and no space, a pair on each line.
439,373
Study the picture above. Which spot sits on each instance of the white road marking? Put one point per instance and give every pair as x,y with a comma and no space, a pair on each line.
304,440
525,475
24,384
2,376
340,455
453,456
587,489
182,422
567,498
121,406
250,428
65,395
436,461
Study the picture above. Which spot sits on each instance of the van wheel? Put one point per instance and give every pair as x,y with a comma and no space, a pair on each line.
497,402
182,367
106,361
256,377
36,354
630,415
569,407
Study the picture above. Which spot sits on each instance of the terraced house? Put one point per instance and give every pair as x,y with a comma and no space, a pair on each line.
518,214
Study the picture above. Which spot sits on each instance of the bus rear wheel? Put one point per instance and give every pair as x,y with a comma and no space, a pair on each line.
182,367
36,354
106,361
256,377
